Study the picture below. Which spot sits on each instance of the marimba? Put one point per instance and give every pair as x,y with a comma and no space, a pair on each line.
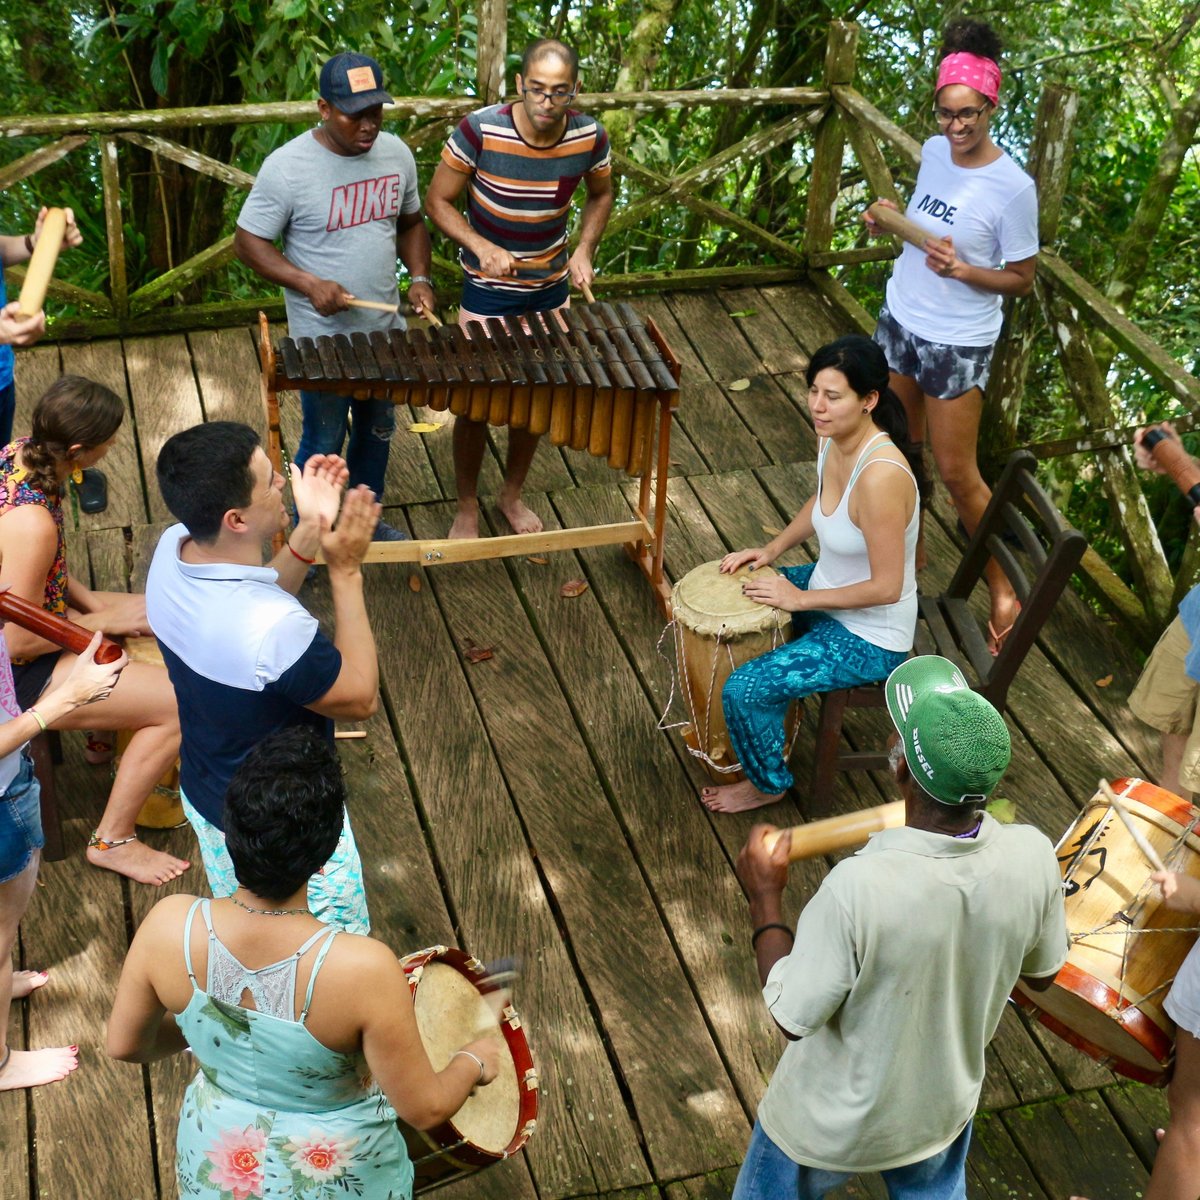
593,377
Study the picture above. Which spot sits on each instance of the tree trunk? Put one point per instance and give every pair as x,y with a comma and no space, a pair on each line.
491,49
645,44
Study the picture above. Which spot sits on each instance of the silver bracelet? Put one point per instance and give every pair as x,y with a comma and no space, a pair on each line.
473,1058
420,279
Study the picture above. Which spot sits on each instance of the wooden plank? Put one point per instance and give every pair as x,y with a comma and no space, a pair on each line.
35,370
771,338
810,316
716,1185
105,363
226,366
658,310
1018,1056
995,1167
715,428
1075,1148
15,1182
585,1141
1139,1111
76,926
717,340
165,400
685,1105
1077,1071
772,418
689,869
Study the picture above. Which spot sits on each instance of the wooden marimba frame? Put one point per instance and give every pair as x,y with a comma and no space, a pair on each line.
594,381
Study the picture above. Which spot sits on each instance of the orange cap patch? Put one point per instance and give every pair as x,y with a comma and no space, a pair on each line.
361,79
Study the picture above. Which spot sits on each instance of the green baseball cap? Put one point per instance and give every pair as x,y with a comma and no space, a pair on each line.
955,743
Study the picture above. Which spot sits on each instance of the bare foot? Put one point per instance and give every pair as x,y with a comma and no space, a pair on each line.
25,982
466,522
30,1068
138,862
735,797
519,515
1005,609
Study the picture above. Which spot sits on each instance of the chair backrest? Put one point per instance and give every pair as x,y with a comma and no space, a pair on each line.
1037,551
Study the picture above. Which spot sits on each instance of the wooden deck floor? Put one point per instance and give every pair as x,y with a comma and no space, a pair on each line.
528,803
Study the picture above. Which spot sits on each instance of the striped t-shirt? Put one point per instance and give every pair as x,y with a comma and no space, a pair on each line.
518,198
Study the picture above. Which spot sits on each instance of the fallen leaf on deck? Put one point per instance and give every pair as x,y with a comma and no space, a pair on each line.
573,588
414,582
1104,682
771,531
423,427
739,385
538,560
477,654
745,312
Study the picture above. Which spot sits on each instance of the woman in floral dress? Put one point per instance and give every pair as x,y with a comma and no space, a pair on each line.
304,1035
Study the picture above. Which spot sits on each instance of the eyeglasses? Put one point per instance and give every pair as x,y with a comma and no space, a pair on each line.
966,117
556,98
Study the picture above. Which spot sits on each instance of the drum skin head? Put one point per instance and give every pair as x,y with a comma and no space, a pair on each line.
451,1012
711,604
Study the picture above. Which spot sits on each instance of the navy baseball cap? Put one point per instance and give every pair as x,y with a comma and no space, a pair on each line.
352,82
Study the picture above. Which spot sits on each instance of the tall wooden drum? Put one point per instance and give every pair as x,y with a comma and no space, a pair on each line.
717,629
1126,946
163,808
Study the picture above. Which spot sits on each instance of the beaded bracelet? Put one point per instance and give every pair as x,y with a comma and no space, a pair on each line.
763,929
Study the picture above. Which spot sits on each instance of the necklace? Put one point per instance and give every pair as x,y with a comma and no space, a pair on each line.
270,912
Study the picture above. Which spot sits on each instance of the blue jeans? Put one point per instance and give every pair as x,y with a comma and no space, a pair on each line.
20,821
823,656
768,1174
371,423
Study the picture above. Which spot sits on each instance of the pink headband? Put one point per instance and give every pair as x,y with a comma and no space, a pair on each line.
974,70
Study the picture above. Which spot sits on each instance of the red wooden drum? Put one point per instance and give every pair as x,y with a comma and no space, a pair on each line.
495,1121
1126,946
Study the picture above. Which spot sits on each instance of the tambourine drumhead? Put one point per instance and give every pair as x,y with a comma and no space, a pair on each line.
711,604
450,1012
1126,946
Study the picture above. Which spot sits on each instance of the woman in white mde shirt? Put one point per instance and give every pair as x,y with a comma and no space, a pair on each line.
942,314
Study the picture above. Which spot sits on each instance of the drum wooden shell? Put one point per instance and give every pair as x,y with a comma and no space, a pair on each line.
717,630
163,808
497,1120
1107,1000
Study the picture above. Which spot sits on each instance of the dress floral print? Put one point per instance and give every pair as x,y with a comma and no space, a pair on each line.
273,1113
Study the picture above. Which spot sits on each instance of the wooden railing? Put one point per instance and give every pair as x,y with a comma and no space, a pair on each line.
833,116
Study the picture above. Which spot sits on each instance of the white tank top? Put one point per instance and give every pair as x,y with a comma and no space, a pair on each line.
843,558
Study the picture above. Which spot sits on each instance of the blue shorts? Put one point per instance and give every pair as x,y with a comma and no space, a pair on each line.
20,821
942,371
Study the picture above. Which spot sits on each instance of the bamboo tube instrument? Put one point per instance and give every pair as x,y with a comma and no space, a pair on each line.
41,265
891,221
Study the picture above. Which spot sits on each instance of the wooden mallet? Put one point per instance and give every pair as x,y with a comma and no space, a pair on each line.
41,264
1139,838
380,306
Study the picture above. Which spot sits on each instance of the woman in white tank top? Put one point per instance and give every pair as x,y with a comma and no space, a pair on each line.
854,610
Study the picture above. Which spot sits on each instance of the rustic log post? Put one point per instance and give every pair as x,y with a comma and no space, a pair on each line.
825,174
111,178
491,49
1050,165
1117,471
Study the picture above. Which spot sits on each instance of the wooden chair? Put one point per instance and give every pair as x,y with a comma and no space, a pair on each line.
1037,550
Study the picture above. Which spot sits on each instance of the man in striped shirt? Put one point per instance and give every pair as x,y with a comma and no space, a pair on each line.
519,164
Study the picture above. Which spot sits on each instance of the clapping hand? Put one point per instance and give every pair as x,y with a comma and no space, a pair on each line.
317,490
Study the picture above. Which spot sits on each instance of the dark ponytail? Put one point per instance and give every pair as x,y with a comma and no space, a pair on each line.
865,367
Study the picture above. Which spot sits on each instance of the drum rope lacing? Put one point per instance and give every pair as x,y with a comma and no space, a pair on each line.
1127,917
698,751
